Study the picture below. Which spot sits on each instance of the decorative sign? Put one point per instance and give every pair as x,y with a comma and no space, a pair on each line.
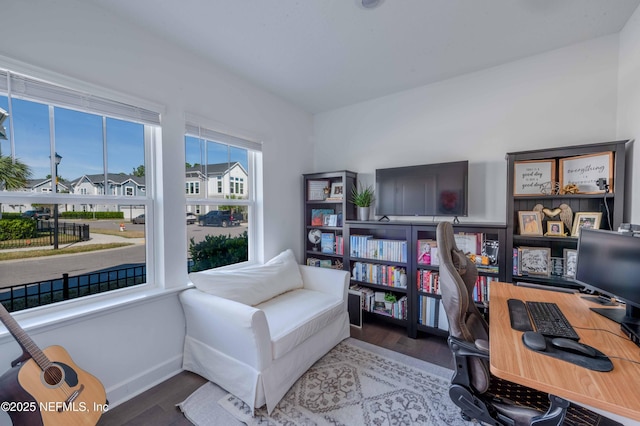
530,177
585,170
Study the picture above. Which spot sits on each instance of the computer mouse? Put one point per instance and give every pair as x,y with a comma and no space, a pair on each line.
573,346
534,340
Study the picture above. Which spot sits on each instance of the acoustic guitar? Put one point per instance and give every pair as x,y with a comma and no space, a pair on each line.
45,387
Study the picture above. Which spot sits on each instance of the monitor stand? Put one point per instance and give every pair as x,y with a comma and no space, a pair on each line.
619,315
601,300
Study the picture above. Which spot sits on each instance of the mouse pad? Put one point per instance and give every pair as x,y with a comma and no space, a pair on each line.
600,363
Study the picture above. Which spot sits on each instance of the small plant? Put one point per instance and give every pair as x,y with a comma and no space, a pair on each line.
390,297
362,196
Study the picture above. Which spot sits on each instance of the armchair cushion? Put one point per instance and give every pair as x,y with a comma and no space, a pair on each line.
297,315
254,284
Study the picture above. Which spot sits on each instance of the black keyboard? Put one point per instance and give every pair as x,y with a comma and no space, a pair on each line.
549,320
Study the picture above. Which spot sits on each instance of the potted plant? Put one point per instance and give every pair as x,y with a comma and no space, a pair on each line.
362,197
389,300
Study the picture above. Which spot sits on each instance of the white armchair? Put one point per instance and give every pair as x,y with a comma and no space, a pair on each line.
258,352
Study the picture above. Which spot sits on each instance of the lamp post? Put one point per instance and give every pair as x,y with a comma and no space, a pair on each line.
57,158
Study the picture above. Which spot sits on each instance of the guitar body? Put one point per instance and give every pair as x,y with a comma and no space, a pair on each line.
10,390
65,395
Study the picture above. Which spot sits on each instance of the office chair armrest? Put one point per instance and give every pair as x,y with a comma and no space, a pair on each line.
464,348
482,344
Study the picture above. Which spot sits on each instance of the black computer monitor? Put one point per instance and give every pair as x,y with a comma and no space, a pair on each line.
609,263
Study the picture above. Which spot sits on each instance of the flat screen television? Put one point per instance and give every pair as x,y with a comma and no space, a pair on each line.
609,263
424,190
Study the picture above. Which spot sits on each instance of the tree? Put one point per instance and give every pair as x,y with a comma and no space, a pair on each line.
139,171
13,173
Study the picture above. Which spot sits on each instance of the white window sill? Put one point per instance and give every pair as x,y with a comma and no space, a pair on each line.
49,317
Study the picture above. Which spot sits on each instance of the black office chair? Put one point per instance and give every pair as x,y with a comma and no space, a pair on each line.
480,395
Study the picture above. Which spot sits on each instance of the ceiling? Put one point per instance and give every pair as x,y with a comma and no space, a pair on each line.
324,54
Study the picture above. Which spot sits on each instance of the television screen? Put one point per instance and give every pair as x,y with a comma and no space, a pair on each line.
425,190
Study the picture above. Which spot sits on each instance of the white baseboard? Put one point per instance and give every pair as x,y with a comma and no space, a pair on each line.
144,381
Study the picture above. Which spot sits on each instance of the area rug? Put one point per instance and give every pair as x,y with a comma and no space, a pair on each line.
351,385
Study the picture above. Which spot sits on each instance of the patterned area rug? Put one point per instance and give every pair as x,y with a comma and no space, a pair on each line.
348,386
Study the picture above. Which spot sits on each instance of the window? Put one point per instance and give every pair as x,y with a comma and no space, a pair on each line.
87,158
226,168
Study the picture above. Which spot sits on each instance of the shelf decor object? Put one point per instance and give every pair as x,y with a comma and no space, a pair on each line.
532,177
530,223
586,220
585,170
363,198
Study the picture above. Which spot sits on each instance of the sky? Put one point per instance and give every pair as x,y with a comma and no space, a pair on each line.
78,140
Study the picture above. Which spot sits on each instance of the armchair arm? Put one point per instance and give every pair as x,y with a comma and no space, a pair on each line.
326,280
237,330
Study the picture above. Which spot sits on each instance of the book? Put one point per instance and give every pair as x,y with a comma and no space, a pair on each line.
328,242
317,216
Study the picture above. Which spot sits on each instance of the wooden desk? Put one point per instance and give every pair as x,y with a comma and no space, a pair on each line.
615,391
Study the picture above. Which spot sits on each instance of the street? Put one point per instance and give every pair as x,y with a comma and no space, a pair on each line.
16,272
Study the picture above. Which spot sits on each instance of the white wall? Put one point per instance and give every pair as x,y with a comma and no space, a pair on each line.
559,98
86,43
629,105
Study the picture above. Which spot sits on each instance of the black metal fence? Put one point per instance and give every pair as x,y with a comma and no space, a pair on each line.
30,295
68,233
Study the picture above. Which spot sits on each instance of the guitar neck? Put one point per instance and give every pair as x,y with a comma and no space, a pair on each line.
27,344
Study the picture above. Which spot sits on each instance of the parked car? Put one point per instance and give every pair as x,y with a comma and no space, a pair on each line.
44,214
222,218
191,218
138,219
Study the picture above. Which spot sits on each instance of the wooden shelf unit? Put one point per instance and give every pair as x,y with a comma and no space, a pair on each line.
342,208
610,204
411,232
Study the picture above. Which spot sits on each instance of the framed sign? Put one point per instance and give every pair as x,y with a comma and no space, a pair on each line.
317,189
535,261
585,170
530,177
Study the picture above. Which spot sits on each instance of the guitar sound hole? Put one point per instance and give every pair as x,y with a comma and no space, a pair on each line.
53,376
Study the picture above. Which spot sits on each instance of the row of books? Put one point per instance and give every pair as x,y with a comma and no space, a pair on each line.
367,247
391,276
331,243
374,301
431,313
470,243
429,282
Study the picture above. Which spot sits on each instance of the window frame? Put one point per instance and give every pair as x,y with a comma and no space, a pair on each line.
151,138
202,128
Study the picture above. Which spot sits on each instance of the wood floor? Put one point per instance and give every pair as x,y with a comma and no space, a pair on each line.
157,406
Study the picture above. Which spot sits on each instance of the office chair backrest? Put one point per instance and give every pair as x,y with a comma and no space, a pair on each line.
458,277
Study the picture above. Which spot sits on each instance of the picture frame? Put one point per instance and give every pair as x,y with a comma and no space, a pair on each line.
585,220
530,223
555,228
535,261
585,170
337,191
531,176
570,257
317,189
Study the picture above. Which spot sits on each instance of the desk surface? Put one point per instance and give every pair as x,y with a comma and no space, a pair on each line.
615,391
